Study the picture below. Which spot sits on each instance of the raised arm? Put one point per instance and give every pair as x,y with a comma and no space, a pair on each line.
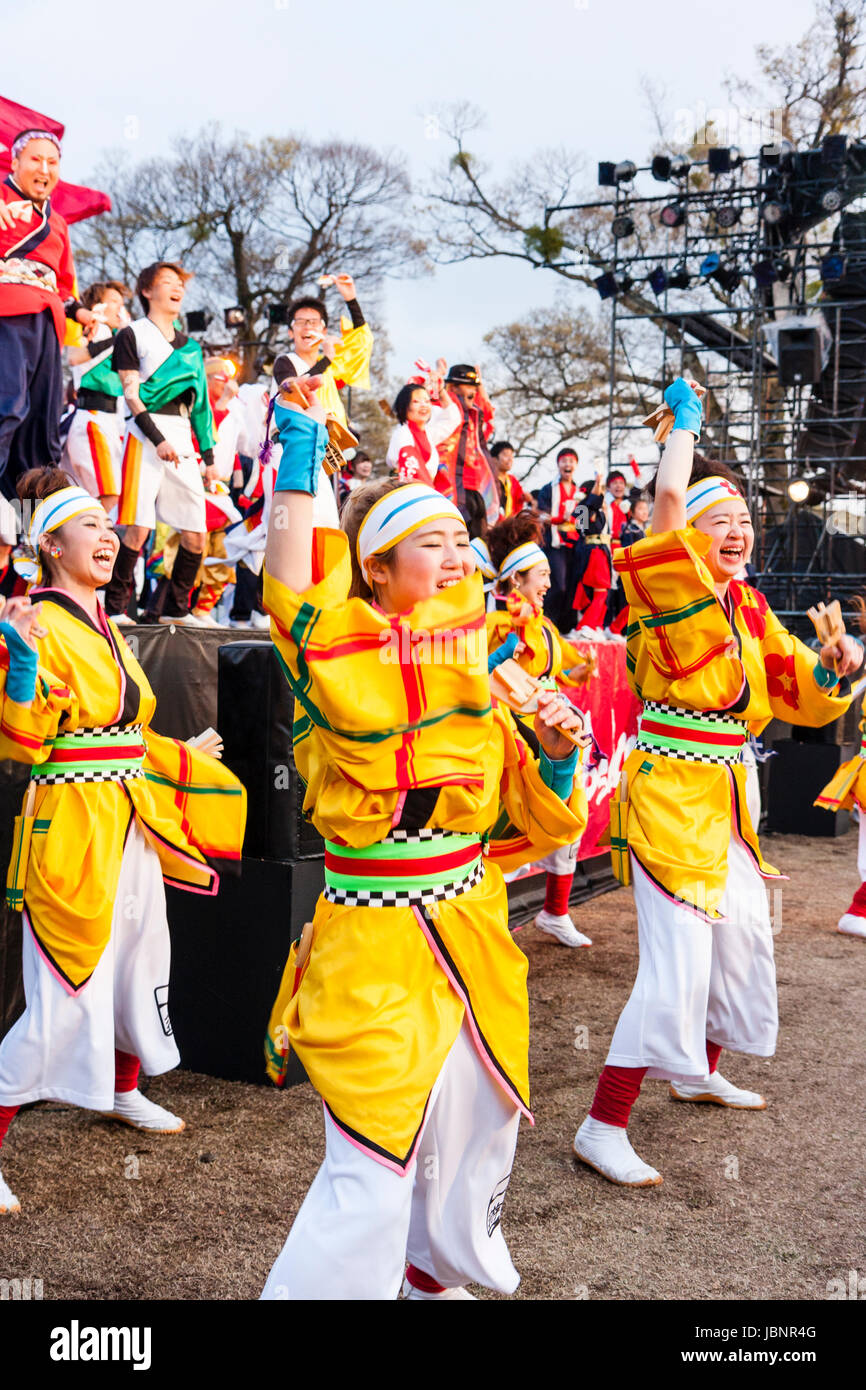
289,548
672,478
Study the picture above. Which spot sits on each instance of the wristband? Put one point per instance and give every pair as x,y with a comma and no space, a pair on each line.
824,678
207,457
149,429
303,440
23,662
502,653
686,405
558,773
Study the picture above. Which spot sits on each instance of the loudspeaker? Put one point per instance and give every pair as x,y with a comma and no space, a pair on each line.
254,716
799,354
227,959
797,774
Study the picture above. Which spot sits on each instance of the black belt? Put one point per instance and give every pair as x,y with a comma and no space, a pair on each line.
178,406
97,400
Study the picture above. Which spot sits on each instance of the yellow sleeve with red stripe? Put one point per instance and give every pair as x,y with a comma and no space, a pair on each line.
28,731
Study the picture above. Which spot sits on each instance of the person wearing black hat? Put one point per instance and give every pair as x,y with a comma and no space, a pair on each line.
466,469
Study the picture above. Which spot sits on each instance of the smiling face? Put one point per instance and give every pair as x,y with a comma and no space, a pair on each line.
729,527
504,460
307,330
166,292
37,169
433,558
88,549
534,583
419,408
566,466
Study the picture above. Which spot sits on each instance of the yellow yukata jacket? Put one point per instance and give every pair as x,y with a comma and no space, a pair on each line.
190,807
546,654
389,710
350,367
847,786
687,649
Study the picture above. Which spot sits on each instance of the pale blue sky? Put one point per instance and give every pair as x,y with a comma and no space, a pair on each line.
552,72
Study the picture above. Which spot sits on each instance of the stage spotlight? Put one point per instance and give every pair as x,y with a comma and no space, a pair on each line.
832,268
673,215
783,268
772,212
680,166
771,154
622,226
679,278
606,285
277,315
197,320
831,201
833,149
606,177
727,216
723,160
709,265
625,171
729,277
798,490
658,280
661,168
234,316
764,273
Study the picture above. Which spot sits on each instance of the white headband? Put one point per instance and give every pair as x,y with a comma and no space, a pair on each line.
709,492
523,557
483,561
29,135
53,511
397,515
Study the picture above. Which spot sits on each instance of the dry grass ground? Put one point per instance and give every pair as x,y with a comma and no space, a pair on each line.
111,1213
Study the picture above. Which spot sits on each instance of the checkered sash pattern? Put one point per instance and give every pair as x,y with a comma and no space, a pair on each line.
697,736
408,868
111,754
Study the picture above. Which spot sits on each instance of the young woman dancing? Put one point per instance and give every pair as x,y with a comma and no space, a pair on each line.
406,1001
709,660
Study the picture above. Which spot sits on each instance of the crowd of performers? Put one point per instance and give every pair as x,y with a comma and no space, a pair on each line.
405,998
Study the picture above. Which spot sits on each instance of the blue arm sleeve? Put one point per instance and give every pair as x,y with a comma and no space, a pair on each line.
558,774
303,442
686,405
502,653
23,661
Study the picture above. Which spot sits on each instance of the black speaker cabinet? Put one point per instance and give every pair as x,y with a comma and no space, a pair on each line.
797,774
255,717
799,355
227,959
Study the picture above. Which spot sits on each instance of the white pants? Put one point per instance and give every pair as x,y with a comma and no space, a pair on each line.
62,1046
699,980
155,490
861,845
94,448
360,1221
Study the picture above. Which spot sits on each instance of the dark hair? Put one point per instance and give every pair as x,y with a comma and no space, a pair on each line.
355,508
615,474
474,512
506,535
499,446
307,301
704,468
95,293
149,274
566,453
403,399
38,483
